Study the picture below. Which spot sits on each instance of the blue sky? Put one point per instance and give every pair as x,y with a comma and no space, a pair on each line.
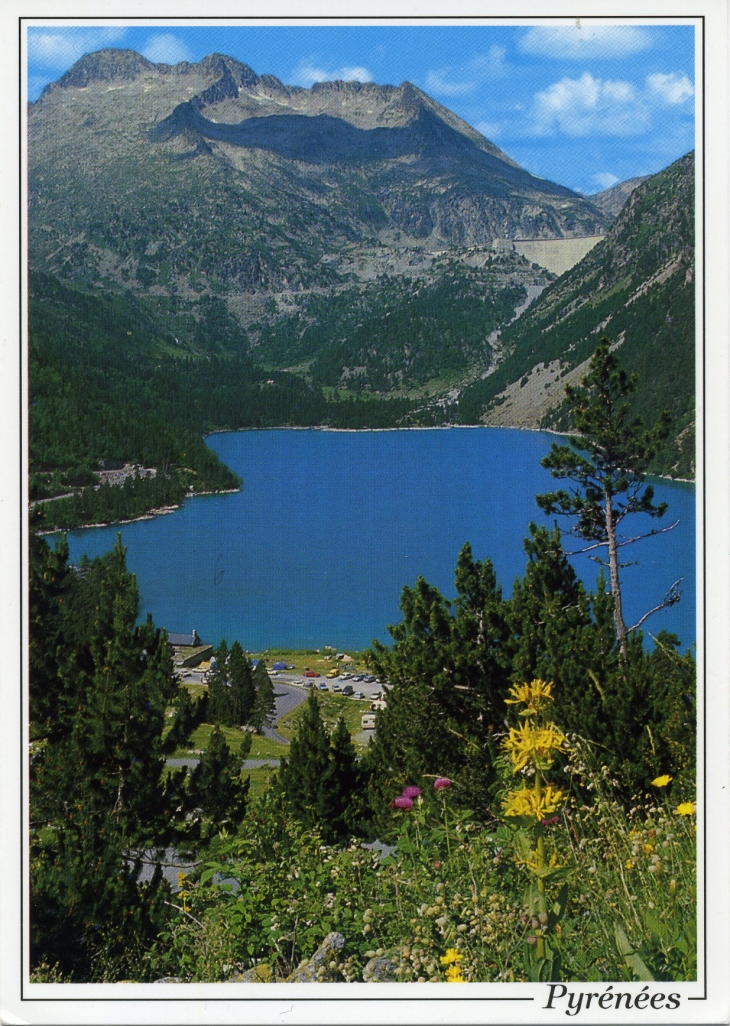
585,105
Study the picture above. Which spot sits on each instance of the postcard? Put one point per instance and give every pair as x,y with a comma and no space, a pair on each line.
365,519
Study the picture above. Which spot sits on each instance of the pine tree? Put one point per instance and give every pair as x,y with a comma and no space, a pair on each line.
341,788
219,686
243,688
264,705
607,466
303,776
97,796
217,786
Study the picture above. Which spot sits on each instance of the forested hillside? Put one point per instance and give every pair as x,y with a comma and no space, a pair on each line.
638,288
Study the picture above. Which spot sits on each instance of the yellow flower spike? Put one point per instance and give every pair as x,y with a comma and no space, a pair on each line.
454,975
533,696
526,802
534,745
452,955
662,781
685,809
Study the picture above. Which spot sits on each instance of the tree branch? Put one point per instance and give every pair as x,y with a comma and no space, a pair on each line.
649,534
672,596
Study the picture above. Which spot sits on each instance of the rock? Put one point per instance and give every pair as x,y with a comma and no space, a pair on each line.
380,970
166,979
308,971
259,974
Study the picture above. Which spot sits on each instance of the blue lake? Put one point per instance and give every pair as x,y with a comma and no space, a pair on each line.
328,527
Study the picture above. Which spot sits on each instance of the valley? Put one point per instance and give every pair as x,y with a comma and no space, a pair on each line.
233,252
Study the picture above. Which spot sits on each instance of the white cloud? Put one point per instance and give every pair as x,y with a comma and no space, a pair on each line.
583,40
166,48
604,179
673,88
307,74
588,106
57,49
593,106
464,79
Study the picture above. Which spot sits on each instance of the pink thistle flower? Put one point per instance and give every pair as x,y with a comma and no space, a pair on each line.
440,783
411,791
403,802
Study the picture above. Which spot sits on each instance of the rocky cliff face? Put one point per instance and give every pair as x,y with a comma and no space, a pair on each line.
209,175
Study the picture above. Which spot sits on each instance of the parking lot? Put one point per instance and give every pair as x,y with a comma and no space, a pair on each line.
368,690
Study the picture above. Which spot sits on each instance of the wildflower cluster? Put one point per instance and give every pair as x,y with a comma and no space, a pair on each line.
451,959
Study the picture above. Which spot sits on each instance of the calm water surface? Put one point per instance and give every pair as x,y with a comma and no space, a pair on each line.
329,526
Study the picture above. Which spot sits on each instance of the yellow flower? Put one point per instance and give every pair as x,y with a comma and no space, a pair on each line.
648,848
629,863
534,745
526,802
685,809
662,781
533,696
452,955
454,974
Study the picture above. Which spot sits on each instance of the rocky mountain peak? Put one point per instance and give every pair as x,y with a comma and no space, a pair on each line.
105,66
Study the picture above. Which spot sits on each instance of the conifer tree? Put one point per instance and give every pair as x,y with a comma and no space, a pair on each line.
606,463
242,689
219,684
96,781
303,775
217,786
342,784
264,705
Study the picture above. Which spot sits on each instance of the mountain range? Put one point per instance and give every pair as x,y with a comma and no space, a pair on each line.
343,254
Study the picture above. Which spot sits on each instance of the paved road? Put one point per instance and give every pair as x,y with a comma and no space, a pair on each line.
191,763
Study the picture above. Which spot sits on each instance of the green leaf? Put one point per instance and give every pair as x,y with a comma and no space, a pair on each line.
630,957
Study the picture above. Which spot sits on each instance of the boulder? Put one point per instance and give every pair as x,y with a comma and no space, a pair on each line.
309,970
380,970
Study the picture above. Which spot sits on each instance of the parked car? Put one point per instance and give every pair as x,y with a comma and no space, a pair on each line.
310,673
359,694
336,687
345,676
333,673
348,689
369,679
323,687
359,677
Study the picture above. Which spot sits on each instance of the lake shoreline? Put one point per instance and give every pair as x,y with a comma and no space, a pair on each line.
325,428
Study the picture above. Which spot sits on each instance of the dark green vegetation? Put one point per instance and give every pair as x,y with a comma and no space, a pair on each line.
637,286
397,333
106,710
464,889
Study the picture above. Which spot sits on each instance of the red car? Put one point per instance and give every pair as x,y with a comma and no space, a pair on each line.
310,673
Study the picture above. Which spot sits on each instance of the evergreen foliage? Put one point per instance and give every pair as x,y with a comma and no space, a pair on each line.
322,779
101,686
232,687
264,703
217,788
